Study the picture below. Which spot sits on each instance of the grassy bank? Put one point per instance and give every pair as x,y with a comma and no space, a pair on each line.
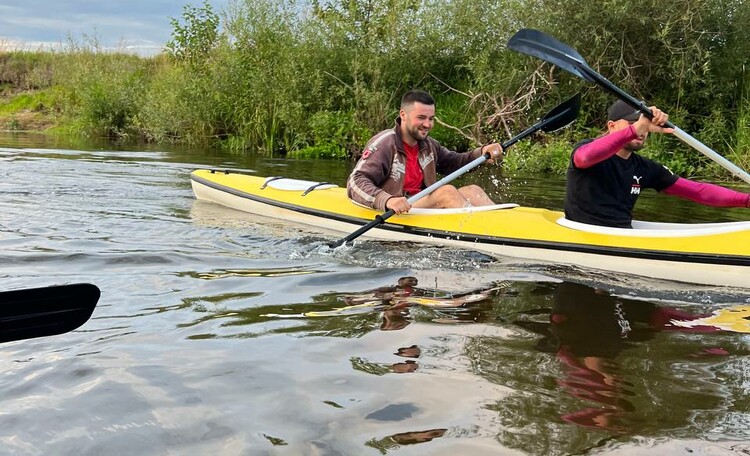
317,80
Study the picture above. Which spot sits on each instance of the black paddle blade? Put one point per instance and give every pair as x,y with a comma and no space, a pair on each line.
37,312
562,115
537,44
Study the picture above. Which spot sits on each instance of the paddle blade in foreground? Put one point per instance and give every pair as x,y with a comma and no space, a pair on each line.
37,312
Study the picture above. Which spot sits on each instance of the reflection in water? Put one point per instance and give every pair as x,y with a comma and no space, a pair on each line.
401,367
585,368
388,308
394,303
258,352
274,272
393,442
275,441
588,330
734,318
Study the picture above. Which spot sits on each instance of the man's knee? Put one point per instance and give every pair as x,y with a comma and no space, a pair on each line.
446,190
476,195
473,190
448,196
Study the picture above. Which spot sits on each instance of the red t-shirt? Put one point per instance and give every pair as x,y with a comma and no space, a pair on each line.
414,178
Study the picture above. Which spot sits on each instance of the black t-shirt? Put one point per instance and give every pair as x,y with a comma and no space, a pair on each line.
605,193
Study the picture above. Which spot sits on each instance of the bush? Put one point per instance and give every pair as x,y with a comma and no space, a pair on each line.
104,91
532,156
26,70
334,135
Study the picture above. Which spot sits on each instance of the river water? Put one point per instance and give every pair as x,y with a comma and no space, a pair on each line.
218,332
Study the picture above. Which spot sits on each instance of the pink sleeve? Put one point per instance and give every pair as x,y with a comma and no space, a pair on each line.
708,194
602,147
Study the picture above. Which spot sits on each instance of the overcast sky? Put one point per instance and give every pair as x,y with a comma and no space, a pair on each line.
137,25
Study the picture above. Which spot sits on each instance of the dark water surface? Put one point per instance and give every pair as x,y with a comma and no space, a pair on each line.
219,332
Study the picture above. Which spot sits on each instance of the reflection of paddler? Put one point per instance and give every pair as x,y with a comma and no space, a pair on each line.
590,322
366,301
395,318
404,288
591,328
396,298
410,438
445,302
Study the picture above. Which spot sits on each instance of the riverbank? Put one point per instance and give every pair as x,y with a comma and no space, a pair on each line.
263,79
40,112
23,111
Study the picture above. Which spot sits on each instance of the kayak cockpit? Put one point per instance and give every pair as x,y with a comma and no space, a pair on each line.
305,186
658,229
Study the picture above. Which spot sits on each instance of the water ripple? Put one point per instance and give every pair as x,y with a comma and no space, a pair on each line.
222,332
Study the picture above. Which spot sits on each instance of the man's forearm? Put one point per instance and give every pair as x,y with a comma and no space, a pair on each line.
708,194
602,148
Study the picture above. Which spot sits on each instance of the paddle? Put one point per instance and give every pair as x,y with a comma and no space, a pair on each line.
559,117
537,44
37,312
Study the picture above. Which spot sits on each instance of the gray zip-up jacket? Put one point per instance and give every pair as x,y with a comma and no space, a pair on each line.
379,173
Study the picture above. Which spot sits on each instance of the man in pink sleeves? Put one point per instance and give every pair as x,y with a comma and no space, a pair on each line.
606,175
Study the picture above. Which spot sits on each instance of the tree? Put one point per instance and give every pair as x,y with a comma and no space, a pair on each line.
193,40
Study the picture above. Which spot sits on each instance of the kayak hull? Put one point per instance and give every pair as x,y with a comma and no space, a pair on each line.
711,254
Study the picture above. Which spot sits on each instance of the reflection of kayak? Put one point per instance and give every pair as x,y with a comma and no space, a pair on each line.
708,253
735,319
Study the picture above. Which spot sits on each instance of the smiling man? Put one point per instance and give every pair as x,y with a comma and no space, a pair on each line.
606,175
400,162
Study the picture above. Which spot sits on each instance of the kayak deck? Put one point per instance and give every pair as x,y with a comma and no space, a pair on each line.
650,249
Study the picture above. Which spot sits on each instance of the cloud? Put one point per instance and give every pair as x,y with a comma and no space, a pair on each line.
114,24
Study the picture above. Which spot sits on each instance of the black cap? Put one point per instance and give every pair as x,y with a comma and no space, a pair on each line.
621,110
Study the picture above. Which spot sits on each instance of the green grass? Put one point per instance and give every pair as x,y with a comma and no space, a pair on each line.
34,101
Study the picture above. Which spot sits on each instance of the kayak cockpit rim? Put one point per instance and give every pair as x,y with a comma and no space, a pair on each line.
658,229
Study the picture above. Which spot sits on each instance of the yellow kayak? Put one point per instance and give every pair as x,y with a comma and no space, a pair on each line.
705,253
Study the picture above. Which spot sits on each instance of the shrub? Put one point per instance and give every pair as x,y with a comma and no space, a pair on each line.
334,135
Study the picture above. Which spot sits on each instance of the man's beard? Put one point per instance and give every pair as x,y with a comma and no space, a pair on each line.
415,133
633,146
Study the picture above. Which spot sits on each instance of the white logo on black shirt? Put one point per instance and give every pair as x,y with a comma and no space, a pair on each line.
635,189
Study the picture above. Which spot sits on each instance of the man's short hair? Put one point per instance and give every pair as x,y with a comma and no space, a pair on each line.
416,96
